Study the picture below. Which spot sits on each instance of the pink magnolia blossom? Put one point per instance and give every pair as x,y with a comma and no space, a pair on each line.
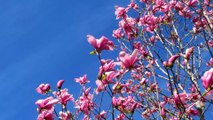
82,80
120,12
179,6
159,2
172,59
121,117
185,12
163,113
43,88
191,111
110,76
107,65
207,79
126,105
63,96
47,104
85,104
118,87
64,115
133,5
117,101
128,25
150,21
158,5
45,115
117,34
181,98
189,51
127,60
86,91
100,86
60,83
100,44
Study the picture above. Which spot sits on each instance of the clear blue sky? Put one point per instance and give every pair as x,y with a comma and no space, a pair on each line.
42,41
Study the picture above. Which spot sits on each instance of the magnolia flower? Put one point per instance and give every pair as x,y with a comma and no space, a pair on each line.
85,104
110,76
43,88
100,44
121,116
181,98
86,91
100,86
127,60
60,83
120,12
117,101
117,33
189,51
82,80
107,65
47,103
64,115
133,5
45,115
163,113
128,25
207,79
63,96
171,61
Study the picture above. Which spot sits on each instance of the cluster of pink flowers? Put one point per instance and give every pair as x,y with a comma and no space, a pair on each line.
138,82
126,105
46,106
84,103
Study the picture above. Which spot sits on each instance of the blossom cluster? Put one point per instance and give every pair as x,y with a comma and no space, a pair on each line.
163,68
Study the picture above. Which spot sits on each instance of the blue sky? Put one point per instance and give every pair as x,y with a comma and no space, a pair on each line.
43,41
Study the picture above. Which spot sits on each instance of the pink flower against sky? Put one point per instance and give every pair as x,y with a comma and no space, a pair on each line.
128,60
45,115
100,44
82,80
63,96
207,79
60,83
64,115
46,104
120,12
43,88
85,103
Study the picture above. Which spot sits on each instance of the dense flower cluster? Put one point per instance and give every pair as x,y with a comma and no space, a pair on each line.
163,68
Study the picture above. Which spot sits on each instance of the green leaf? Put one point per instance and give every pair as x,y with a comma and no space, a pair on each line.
92,52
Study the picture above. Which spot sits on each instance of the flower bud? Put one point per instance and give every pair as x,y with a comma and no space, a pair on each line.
60,83
43,88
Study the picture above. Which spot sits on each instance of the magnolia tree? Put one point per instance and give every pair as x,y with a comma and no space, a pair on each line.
163,70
